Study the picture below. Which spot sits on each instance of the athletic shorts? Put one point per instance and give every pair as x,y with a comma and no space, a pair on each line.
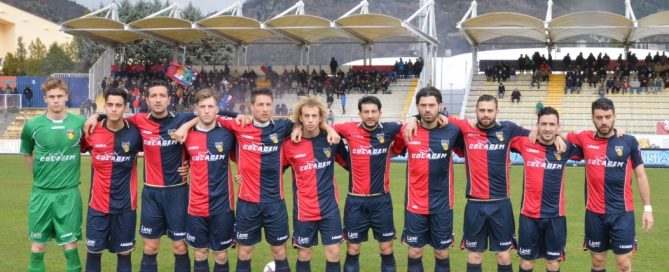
488,222
610,231
215,232
55,214
114,232
542,238
164,211
305,233
364,212
251,217
433,229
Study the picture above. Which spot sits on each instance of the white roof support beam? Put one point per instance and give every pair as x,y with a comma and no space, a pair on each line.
549,18
471,13
629,14
298,8
428,30
111,9
235,9
175,12
363,7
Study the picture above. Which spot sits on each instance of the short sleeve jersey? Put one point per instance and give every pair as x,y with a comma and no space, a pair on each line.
429,186
211,190
56,149
543,181
259,158
609,163
113,168
368,151
487,160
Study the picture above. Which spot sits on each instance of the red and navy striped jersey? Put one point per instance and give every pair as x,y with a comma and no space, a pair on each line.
543,177
429,186
368,151
211,189
259,158
163,155
487,160
609,163
113,168
315,191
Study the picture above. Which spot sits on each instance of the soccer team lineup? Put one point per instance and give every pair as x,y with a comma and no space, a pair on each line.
213,182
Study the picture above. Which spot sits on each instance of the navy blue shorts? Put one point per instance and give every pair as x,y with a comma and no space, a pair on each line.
214,232
610,231
114,232
488,221
164,211
251,217
305,233
364,212
542,238
434,229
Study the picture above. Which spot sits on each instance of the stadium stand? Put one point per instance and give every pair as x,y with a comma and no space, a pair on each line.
635,113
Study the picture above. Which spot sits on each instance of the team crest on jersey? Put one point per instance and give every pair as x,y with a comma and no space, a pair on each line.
500,136
381,137
219,146
126,146
70,134
274,137
619,150
444,144
558,156
172,134
327,152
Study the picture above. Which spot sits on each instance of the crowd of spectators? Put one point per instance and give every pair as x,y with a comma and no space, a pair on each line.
623,76
408,69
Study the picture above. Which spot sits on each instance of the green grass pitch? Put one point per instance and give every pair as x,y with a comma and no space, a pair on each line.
652,255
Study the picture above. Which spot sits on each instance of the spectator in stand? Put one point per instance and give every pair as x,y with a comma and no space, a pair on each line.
28,94
333,66
658,85
536,78
515,95
330,119
343,104
624,86
601,90
521,63
501,89
400,68
330,100
566,61
539,106
610,85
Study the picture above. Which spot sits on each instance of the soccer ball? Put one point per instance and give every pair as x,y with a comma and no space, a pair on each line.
269,267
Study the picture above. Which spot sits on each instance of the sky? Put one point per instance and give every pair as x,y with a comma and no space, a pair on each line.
207,6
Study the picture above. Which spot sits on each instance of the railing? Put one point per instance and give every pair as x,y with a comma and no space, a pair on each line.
10,101
99,70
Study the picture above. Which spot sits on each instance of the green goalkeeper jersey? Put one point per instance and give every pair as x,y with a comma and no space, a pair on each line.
57,155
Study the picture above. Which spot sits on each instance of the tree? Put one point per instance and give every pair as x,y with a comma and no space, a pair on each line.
11,65
21,57
37,49
57,61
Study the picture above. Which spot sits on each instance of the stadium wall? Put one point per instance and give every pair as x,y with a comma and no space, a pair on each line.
78,90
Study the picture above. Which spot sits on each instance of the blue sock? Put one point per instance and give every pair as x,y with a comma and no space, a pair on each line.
93,262
388,263
303,266
352,263
504,268
474,267
181,262
201,266
221,267
149,263
415,265
442,265
332,266
281,265
243,266
123,263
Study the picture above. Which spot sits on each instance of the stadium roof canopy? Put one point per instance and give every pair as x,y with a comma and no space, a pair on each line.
297,28
626,29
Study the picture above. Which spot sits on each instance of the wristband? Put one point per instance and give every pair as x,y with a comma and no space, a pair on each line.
647,208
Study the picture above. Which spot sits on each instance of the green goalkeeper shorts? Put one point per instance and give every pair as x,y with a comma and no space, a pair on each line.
55,214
